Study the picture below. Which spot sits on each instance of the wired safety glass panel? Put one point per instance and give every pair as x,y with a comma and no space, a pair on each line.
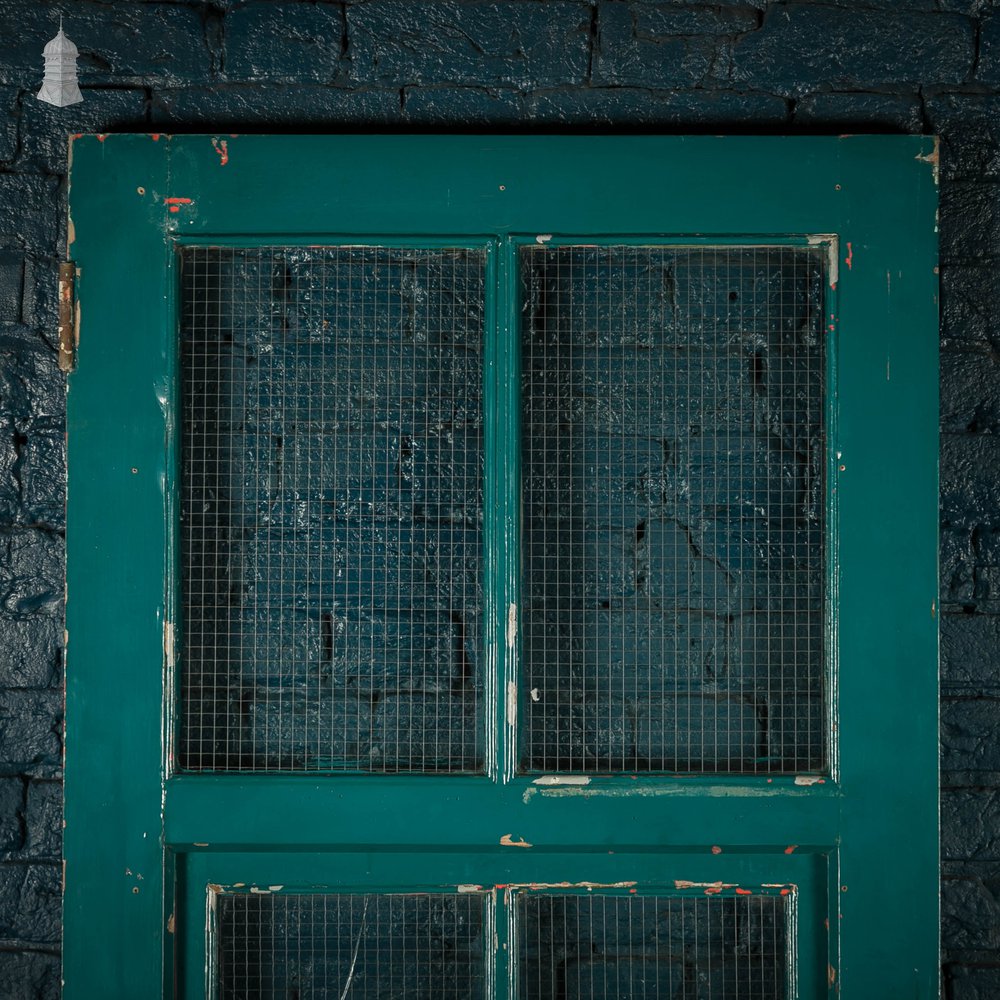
652,947
371,945
673,505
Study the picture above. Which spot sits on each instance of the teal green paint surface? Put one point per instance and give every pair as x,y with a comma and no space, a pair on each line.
865,839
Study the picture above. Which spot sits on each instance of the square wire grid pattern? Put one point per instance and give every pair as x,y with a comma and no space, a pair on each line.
331,509
362,947
673,503
598,947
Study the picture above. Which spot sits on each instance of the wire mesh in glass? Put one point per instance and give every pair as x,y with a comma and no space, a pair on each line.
673,509
601,947
331,509
362,947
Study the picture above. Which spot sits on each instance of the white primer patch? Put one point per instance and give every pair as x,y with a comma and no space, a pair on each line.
543,238
563,779
832,254
807,779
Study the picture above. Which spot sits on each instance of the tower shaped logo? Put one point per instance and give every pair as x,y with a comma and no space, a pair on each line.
60,87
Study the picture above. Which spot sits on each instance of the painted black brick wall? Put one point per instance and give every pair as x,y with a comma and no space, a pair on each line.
745,66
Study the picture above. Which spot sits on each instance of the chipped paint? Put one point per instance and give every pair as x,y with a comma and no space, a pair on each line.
174,204
831,972
934,159
535,695
543,238
511,625
832,244
197,844
849,259
171,924
222,148
790,849
716,849
563,779
470,887
683,883
656,791
809,779
168,644
535,886
511,703
507,840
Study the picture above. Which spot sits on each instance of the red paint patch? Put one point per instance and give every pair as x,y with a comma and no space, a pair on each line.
744,892
633,891
849,259
155,136
790,848
716,850
712,890
222,148
785,892
101,136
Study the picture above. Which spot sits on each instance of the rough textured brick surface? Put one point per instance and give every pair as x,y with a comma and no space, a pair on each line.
753,66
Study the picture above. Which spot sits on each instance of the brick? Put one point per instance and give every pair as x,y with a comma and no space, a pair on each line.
290,727
394,565
45,128
861,112
970,489
285,42
969,751
39,295
30,650
609,979
11,286
970,653
779,650
635,393
596,733
970,391
423,732
461,106
30,975
621,106
972,982
43,819
598,565
988,66
662,46
970,296
12,815
682,732
801,46
30,205
443,470
969,126
237,107
626,652
428,654
31,573
970,915
362,384
672,569
43,476
970,220
595,479
10,487
31,732
30,899
970,824
31,386
479,43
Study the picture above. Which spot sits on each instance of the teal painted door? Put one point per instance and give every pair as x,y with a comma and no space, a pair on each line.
502,567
